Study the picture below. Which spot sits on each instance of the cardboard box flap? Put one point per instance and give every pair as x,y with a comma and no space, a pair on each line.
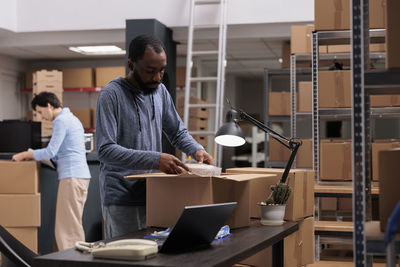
233,177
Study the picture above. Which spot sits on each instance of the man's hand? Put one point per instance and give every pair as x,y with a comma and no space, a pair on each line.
22,156
203,157
171,164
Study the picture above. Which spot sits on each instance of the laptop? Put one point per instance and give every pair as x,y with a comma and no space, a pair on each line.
197,227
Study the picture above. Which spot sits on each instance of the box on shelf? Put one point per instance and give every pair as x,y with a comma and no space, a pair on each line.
304,157
279,104
85,116
300,38
198,124
299,246
301,201
334,89
345,204
336,159
78,78
328,204
335,14
339,49
167,195
19,177
377,47
377,146
29,79
47,81
202,113
385,100
276,151
305,97
20,210
201,139
106,74
392,35
285,55
181,75
26,235
388,179
93,115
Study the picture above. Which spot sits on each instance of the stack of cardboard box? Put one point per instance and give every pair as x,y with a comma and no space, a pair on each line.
20,200
298,247
47,81
198,118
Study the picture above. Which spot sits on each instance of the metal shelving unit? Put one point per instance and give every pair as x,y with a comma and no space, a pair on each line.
267,88
338,37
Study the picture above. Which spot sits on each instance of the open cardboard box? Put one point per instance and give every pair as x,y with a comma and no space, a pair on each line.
168,194
301,201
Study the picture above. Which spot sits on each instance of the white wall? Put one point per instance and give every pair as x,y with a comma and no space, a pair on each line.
8,14
57,15
11,99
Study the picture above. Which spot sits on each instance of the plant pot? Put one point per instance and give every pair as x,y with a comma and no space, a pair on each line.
272,214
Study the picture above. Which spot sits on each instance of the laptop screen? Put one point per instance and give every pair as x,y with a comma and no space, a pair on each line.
196,227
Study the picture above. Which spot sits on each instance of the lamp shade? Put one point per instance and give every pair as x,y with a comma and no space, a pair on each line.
230,135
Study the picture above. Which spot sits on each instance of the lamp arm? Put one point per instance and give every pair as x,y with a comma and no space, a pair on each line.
291,144
280,138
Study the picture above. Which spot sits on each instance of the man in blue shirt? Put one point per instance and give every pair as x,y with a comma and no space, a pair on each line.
67,146
132,114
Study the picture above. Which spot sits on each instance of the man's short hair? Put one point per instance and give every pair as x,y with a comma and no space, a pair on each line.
139,44
44,98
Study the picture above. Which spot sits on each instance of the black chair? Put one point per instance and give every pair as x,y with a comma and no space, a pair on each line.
14,253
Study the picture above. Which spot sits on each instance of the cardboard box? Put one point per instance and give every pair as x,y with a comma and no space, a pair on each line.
385,100
93,115
26,235
85,116
78,78
377,146
377,47
304,157
260,259
392,35
202,113
305,97
198,124
334,89
276,151
299,246
201,139
47,81
19,177
20,210
328,204
336,160
300,38
29,79
106,74
388,180
345,204
301,202
279,104
181,76
285,55
47,76
167,195
339,49
335,14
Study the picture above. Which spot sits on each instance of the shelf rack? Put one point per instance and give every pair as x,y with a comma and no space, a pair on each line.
331,38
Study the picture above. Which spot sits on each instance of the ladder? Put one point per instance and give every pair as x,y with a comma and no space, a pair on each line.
219,80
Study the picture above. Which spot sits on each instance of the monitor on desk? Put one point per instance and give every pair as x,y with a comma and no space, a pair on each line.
196,227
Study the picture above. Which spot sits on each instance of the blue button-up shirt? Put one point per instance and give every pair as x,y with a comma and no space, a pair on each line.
67,146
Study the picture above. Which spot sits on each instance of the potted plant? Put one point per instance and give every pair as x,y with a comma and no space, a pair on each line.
273,210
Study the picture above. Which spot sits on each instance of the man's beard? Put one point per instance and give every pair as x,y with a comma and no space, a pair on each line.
145,86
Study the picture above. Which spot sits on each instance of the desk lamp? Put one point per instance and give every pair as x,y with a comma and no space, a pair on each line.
231,135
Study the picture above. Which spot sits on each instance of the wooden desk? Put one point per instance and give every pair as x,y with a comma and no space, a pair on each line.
243,243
